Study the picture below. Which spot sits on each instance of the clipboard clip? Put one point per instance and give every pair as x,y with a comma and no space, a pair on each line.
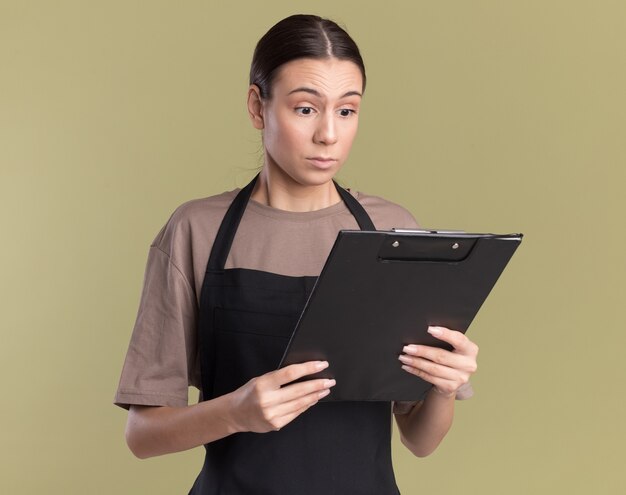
426,231
449,246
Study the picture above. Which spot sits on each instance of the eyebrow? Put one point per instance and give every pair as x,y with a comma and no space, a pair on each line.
318,94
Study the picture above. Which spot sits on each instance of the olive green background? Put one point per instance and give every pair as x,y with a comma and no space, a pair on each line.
479,115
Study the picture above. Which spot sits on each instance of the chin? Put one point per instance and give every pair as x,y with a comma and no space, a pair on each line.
306,175
316,177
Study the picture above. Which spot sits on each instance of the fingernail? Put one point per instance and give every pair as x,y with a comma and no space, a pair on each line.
321,365
329,383
323,393
409,348
404,359
435,330
406,368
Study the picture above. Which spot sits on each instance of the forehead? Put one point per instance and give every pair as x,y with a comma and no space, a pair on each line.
328,76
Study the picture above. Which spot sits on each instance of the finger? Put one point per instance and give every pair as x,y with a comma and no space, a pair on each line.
287,412
437,355
298,405
270,397
441,383
433,369
297,389
456,339
300,389
288,418
293,372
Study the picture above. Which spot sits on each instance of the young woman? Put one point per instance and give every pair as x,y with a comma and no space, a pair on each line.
227,278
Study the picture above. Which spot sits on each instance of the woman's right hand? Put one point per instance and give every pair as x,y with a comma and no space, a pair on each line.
261,405
264,404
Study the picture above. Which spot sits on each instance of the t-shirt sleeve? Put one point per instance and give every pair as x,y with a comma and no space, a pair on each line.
161,361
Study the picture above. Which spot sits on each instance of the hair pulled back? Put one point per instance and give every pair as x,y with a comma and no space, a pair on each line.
300,36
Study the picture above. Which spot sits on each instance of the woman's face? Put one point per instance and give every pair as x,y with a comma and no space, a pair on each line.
311,119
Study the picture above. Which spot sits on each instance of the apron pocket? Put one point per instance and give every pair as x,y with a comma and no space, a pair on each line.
256,323
248,344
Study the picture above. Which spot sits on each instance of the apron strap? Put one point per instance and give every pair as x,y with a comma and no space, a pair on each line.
228,228
362,218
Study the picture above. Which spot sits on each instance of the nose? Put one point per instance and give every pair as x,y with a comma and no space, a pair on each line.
326,130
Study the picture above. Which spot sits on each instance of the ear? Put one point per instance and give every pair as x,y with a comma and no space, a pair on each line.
255,107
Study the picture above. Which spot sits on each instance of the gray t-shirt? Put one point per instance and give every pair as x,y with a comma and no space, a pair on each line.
162,358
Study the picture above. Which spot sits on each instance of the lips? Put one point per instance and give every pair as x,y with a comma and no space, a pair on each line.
322,162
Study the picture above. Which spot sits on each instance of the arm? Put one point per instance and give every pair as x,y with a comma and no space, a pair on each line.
425,426
261,405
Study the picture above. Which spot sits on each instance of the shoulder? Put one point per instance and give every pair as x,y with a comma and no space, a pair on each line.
197,217
384,213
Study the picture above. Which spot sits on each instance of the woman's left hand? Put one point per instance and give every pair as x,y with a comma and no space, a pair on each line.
447,370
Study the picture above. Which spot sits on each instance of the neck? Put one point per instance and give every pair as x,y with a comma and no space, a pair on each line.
278,190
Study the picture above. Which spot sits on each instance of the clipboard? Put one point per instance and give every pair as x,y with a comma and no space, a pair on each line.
380,290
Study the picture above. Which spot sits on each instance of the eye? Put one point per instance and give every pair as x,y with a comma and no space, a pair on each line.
346,112
304,110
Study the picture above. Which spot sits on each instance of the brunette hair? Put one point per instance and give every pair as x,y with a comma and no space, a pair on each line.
300,36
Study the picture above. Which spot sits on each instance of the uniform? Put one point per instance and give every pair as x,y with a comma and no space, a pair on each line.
244,307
